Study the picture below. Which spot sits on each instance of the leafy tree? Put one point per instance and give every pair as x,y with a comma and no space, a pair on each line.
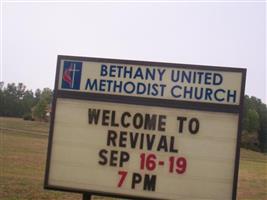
1,85
17,101
255,120
263,128
41,108
37,95
46,95
28,102
10,101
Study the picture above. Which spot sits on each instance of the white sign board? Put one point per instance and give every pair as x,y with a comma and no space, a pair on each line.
145,130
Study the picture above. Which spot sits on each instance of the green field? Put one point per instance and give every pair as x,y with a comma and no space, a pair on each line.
22,161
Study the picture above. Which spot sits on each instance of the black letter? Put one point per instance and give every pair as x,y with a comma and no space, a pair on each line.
113,117
181,124
150,122
93,116
112,136
105,117
137,178
150,141
162,123
196,128
123,139
172,143
101,154
163,144
123,123
150,182
137,124
133,139
124,158
113,158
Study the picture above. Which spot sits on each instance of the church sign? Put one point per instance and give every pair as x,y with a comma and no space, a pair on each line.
145,130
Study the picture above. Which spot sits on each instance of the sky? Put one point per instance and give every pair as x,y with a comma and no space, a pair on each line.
216,33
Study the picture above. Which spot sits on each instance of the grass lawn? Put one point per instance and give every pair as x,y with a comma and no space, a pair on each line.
22,163
252,176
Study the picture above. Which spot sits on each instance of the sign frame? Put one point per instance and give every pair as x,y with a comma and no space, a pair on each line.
202,106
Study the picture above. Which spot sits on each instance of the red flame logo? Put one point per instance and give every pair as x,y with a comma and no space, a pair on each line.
67,75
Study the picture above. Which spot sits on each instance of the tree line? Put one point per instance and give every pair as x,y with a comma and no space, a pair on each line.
18,101
254,124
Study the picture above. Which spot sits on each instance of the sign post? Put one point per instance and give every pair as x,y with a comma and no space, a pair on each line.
87,196
145,130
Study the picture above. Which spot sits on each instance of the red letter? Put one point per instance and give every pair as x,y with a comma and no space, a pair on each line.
123,176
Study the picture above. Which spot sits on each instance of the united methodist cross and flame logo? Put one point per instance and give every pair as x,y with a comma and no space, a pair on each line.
71,77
